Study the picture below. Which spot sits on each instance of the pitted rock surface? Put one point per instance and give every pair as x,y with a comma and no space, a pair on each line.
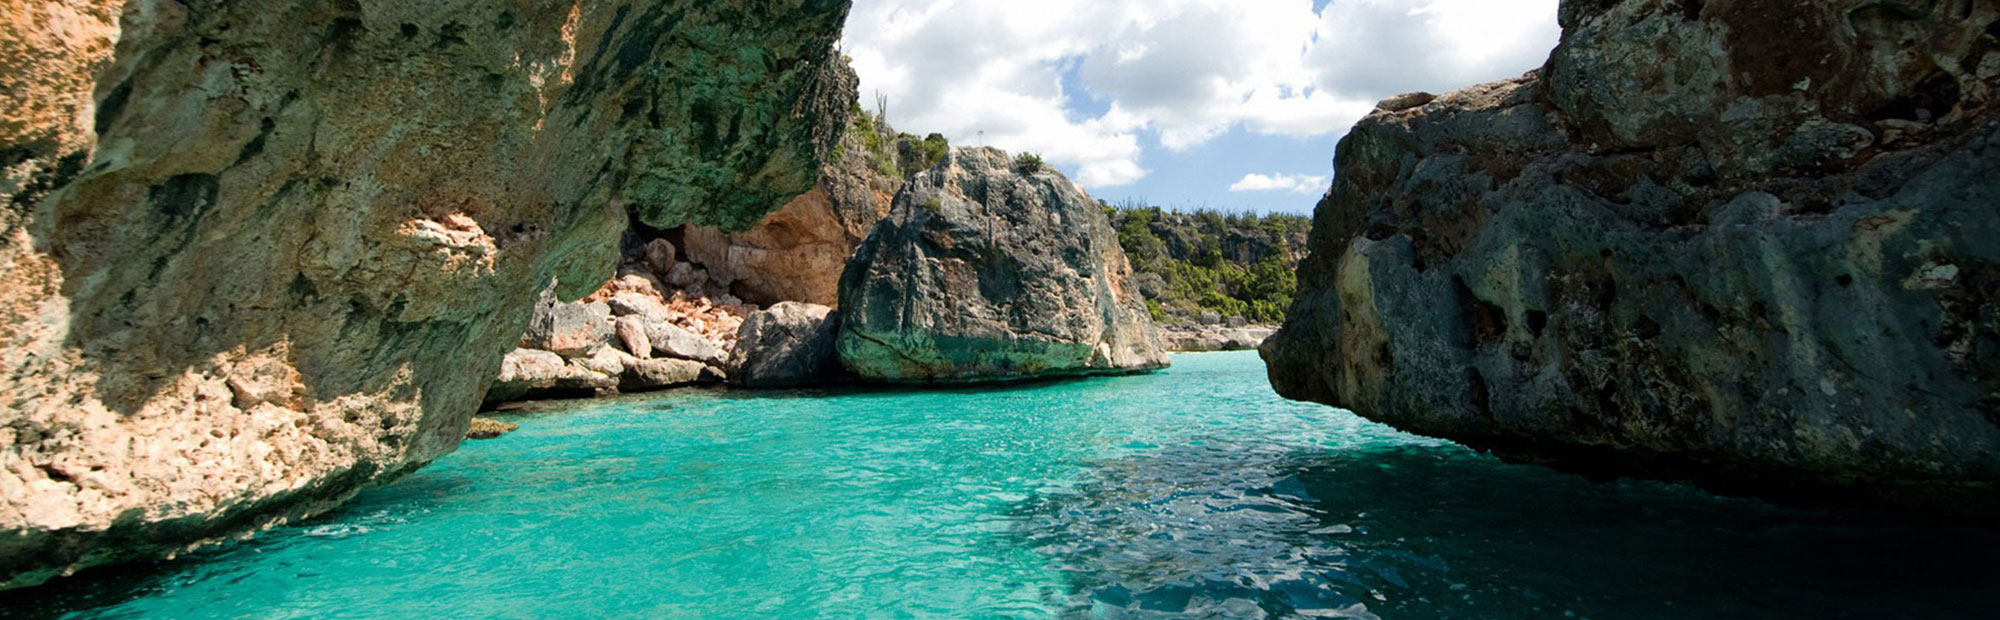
1747,242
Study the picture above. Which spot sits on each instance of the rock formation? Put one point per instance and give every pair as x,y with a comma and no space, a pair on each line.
255,256
1205,338
789,345
987,269
797,253
1748,242
626,337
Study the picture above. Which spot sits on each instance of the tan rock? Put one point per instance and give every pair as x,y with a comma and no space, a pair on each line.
632,335
489,428
659,374
268,253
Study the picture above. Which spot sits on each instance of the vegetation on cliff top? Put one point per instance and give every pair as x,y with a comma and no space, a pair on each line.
890,152
1208,261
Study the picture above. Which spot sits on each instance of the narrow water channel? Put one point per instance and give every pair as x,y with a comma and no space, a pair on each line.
1194,492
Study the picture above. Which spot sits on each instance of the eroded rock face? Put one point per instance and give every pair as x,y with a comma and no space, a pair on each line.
254,256
1748,242
985,271
797,253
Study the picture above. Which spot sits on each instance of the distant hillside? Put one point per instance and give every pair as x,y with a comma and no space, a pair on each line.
1230,264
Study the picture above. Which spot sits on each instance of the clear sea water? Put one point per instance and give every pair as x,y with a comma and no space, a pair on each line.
1194,492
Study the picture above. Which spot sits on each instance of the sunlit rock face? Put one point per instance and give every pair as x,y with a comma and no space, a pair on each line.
797,253
990,270
258,255
1748,242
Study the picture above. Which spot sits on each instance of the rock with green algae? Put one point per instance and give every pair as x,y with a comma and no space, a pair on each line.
257,256
986,270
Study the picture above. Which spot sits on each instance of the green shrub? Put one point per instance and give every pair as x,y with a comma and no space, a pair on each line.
1198,275
1029,163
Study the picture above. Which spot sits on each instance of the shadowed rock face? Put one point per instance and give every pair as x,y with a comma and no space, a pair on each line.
259,255
984,271
1748,242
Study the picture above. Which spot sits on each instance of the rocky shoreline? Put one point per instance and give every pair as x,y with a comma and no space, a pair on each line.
255,257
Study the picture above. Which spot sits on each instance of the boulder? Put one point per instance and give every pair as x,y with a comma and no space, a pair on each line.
568,328
1681,251
489,428
790,344
661,373
674,341
630,303
631,332
659,256
527,374
986,270
257,256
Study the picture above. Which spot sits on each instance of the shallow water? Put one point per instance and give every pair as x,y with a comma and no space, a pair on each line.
1194,492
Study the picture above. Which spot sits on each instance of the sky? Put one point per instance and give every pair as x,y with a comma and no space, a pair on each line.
1224,104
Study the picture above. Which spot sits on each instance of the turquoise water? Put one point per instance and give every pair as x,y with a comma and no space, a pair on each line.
1194,492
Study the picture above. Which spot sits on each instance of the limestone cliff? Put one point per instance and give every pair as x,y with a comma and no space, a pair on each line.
258,255
1749,242
987,269
797,253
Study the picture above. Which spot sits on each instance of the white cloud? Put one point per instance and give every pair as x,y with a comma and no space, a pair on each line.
1294,183
1086,84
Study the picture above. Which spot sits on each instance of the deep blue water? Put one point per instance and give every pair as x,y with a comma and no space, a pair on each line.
1194,492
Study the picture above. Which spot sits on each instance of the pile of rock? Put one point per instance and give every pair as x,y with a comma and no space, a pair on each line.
637,333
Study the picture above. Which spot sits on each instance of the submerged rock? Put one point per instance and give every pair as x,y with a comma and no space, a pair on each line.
989,270
256,256
1752,244
788,345
489,428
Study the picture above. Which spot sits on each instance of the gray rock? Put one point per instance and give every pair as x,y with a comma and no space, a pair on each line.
533,373
629,303
984,271
568,328
687,277
1689,269
787,345
674,341
660,256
